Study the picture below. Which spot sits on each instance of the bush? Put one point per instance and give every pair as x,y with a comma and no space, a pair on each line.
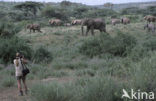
68,64
143,73
58,13
8,82
102,89
117,46
42,55
9,47
8,29
150,43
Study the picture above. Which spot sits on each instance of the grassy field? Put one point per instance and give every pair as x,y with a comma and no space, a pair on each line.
127,61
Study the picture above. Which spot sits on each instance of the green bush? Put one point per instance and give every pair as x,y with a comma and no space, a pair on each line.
102,89
8,82
143,73
8,29
9,47
42,55
120,45
150,43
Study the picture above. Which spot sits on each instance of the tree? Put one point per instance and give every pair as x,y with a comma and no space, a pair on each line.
29,7
108,5
65,3
152,10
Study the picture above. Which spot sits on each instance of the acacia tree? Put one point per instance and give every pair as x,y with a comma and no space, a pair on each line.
65,3
29,8
108,5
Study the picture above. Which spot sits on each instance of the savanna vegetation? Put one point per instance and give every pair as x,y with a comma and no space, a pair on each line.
66,66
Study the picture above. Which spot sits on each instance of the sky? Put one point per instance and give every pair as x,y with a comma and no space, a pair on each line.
88,2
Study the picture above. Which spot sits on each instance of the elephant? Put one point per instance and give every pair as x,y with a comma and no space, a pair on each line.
67,24
115,21
34,27
92,24
55,22
150,27
125,20
150,18
76,22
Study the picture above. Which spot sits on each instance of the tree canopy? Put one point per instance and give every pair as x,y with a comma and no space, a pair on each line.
29,7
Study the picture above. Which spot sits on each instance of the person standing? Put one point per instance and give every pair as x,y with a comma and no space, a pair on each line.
18,63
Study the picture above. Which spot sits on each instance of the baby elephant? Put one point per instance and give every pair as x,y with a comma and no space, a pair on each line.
34,27
150,27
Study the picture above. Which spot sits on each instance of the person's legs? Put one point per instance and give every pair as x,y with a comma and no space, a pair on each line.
19,85
24,83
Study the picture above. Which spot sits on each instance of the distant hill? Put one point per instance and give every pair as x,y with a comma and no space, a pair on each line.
127,5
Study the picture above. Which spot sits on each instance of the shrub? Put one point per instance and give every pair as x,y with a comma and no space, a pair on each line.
143,73
117,46
8,82
42,55
9,47
150,43
68,64
102,89
8,29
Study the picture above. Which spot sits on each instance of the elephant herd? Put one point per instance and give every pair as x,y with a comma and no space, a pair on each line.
94,23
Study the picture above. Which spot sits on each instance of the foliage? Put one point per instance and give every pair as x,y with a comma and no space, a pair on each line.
11,46
42,55
51,92
29,7
7,29
8,82
117,46
58,13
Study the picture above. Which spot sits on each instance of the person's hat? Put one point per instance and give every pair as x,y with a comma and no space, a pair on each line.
17,54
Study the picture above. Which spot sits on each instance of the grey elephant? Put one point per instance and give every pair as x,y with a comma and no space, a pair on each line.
34,27
150,27
92,24
76,22
125,20
150,18
55,22
115,21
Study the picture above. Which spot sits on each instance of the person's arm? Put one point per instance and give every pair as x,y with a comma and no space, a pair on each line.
24,61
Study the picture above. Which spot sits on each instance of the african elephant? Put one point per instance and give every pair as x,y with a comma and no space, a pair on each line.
76,22
115,21
34,27
55,22
150,18
125,20
92,24
150,27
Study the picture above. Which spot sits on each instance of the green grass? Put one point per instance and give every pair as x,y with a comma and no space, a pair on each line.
8,81
93,78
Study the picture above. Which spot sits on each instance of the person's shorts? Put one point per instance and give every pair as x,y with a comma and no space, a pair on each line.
20,77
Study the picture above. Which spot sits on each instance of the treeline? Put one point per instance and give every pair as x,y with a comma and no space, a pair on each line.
65,11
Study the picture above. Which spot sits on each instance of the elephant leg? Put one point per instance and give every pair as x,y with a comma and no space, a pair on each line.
87,31
34,30
92,31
